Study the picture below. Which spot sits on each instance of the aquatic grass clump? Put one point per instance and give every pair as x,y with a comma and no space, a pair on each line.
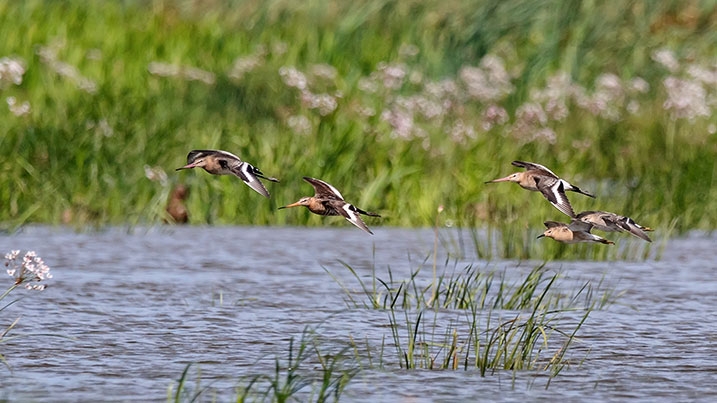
473,318
511,330
511,340
308,373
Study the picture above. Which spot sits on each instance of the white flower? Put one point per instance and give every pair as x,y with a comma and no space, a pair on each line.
293,78
408,50
155,174
21,109
489,82
442,89
196,74
243,65
368,85
460,132
666,58
392,75
163,69
11,71
187,73
639,84
325,103
531,113
494,115
324,71
300,124
12,255
32,268
685,98
400,121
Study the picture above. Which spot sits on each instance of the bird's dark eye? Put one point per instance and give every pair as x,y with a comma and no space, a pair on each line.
224,163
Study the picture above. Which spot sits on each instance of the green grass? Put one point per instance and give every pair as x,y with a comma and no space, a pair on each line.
101,110
476,318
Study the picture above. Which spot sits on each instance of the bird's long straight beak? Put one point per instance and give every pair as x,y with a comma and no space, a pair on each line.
188,166
506,179
290,205
540,236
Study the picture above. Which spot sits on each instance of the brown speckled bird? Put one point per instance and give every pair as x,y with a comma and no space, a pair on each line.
218,162
575,232
611,222
539,178
327,200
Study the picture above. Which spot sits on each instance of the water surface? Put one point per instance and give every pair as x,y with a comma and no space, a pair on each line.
137,306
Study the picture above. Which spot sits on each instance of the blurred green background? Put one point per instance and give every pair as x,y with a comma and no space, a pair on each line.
402,105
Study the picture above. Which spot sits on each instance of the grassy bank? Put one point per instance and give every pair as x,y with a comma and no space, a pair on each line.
404,106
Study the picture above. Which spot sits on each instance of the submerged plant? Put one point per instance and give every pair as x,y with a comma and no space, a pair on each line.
295,378
292,376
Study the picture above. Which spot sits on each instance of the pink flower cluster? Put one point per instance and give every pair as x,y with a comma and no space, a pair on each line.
48,56
187,73
398,99
324,103
31,269
11,71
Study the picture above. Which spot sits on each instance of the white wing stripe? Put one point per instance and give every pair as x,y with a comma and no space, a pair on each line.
354,218
545,168
333,189
561,200
245,169
352,214
228,154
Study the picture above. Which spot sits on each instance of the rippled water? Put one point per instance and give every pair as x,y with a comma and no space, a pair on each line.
137,306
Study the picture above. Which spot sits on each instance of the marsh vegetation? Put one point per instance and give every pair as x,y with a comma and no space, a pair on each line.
406,104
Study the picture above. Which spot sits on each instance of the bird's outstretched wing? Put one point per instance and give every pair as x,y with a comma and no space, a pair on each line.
580,226
533,166
324,190
249,174
554,191
351,214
